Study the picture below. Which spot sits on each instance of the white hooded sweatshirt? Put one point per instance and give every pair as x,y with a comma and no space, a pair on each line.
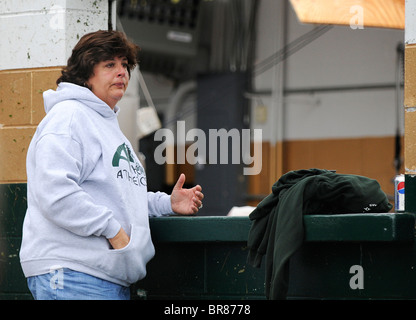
84,183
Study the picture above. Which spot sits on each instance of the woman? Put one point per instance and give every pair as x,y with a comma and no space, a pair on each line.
86,231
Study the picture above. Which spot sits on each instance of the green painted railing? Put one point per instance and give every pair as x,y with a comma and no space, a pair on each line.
349,256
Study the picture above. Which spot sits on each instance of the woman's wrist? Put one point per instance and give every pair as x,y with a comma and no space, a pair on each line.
120,240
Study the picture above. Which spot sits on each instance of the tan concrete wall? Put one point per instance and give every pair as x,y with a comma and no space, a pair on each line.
21,110
410,109
370,157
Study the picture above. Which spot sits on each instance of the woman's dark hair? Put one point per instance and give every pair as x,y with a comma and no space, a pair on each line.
93,48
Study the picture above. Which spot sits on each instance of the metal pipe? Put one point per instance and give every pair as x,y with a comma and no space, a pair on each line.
312,90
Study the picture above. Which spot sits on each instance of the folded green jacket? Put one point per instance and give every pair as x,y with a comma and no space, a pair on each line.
277,222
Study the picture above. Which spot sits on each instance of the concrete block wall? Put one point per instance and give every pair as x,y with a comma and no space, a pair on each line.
21,110
410,107
37,39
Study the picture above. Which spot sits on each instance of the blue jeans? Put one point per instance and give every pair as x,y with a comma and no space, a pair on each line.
67,284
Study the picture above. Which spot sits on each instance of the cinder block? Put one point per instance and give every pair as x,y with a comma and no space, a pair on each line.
410,141
410,76
15,97
21,110
42,80
14,142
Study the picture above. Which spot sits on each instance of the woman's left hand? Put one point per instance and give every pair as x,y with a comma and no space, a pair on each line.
186,201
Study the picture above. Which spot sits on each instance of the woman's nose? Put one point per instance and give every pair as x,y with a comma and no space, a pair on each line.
121,71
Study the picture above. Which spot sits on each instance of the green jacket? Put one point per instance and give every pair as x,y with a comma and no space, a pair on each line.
277,222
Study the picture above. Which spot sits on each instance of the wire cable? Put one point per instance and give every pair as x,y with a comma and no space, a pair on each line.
290,49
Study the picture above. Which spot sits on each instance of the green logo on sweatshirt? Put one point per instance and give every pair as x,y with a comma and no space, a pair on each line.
134,172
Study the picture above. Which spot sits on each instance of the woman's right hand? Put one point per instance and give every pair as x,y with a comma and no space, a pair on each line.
120,240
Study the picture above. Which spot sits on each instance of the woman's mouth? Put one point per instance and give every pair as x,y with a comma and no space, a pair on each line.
119,85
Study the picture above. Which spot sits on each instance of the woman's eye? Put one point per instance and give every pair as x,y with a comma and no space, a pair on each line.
109,65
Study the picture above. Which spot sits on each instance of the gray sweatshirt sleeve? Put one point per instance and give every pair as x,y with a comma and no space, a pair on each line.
159,204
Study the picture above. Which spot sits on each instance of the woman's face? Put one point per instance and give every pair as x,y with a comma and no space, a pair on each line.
109,80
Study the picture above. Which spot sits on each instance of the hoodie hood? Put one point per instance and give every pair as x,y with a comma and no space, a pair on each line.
69,91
